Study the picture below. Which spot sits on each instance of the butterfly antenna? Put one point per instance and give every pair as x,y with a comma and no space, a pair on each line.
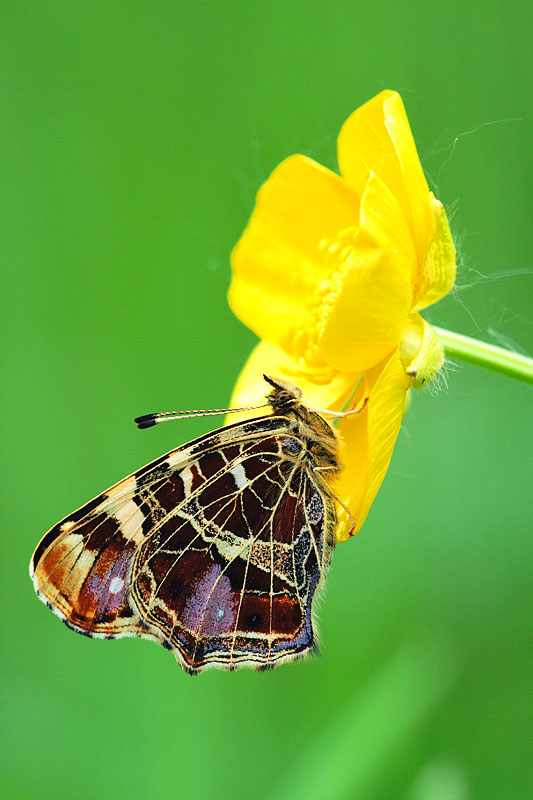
148,420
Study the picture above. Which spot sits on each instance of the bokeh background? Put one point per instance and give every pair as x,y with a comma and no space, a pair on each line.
134,137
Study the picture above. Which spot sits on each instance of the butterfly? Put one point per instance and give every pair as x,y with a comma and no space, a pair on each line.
216,550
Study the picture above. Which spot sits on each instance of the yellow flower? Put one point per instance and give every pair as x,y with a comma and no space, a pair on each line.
330,274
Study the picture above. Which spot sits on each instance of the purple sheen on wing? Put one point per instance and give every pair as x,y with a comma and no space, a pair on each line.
111,588
212,605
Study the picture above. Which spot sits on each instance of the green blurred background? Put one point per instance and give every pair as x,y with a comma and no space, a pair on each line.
134,137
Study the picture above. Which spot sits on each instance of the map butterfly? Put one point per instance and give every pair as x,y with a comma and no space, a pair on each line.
216,551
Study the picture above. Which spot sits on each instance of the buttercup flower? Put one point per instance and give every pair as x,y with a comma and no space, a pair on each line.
331,272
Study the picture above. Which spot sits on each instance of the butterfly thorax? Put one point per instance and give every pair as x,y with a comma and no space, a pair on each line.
310,428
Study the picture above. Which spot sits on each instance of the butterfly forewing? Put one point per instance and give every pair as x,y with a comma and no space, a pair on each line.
215,550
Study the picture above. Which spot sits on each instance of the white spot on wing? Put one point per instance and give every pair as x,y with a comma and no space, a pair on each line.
186,477
116,585
239,475
130,518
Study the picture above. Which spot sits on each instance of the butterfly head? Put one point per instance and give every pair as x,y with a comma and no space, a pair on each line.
321,440
284,398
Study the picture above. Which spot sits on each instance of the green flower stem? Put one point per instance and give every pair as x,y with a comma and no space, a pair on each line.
486,355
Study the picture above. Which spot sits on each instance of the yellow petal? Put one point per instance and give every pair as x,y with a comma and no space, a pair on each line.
369,439
437,275
320,389
277,262
377,138
370,295
421,352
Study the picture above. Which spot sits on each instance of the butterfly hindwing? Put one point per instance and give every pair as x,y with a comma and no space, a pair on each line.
215,550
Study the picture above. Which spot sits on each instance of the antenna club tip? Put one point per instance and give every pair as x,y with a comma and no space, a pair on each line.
147,421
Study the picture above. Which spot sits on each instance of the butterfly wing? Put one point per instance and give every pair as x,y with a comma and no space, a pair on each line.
214,550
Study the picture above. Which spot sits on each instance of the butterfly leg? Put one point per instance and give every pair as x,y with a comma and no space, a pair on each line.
342,414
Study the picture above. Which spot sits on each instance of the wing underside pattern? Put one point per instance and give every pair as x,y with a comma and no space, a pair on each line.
215,550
